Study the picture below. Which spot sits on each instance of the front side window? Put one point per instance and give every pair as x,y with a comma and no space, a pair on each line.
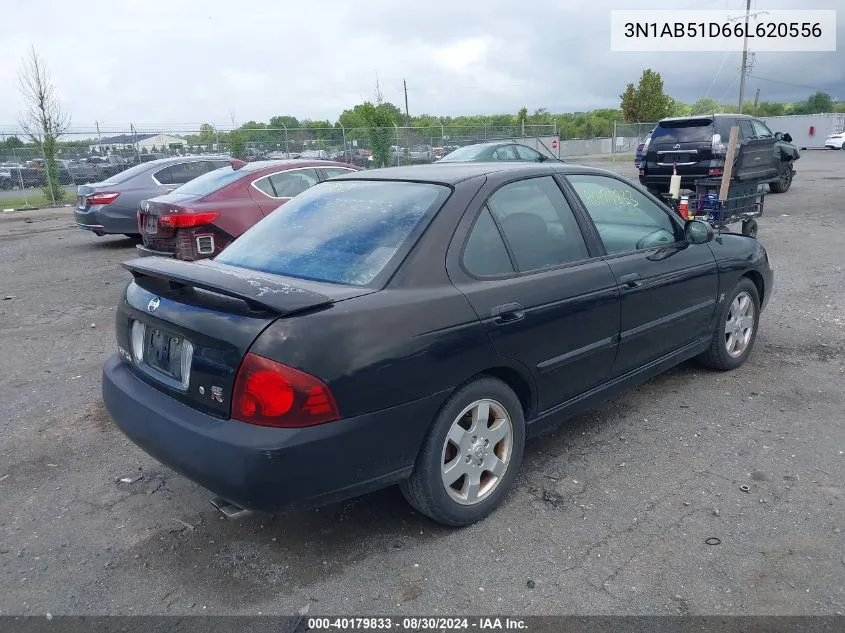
625,218
341,232
760,129
526,153
185,172
331,172
538,224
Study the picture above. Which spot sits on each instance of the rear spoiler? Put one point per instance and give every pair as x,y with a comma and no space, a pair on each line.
258,290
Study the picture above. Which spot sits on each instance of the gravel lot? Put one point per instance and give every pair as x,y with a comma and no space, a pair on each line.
610,514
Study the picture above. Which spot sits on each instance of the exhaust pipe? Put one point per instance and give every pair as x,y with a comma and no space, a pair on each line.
229,509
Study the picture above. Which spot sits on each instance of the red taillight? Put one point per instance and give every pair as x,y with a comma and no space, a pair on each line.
187,220
271,394
106,197
715,172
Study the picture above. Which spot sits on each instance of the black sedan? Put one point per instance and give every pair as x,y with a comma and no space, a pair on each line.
414,325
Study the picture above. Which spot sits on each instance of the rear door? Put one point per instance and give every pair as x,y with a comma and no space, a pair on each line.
668,287
547,301
685,145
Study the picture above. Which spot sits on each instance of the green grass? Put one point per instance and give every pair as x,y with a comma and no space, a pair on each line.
34,201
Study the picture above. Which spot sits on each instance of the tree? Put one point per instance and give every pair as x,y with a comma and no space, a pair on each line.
379,121
819,102
522,115
43,119
237,143
705,106
646,102
207,134
11,142
767,108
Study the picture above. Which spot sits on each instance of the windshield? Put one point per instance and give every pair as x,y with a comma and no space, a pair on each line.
210,182
470,152
683,132
341,232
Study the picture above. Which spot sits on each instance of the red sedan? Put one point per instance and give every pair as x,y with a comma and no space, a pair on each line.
200,218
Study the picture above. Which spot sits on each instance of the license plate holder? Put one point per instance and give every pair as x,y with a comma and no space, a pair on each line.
151,224
164,353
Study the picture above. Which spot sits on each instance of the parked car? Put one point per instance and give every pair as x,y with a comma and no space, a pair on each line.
497,150
6,181
638,155
111,206
835,141
35,174
96,168
414,325
697,148
200,218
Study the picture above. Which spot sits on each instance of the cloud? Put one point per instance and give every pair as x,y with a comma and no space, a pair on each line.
178,63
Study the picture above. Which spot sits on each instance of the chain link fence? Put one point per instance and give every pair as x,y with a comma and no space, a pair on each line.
627,136
88,156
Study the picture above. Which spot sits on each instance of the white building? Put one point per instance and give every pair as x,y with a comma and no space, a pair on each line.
139,142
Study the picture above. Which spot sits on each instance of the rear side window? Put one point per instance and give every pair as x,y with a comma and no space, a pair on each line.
340,232
164,176
485,254
683,132
185,172
506,152
538,224
288,184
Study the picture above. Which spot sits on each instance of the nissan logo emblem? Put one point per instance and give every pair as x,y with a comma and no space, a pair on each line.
676,146
152,306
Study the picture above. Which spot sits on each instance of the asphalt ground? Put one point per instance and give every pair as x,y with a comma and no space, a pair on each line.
611,513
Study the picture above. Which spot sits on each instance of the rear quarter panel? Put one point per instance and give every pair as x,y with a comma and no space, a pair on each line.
238,211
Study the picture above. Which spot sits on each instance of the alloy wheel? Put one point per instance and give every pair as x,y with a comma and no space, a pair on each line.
739,325
477,452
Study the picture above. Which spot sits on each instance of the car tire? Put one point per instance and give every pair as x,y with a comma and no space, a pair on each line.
784,181
462,444
729,349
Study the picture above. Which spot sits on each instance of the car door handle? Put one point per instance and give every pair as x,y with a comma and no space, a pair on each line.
631,280
508,313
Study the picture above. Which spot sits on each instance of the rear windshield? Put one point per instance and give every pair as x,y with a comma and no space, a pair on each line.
338,231
683,132
211,181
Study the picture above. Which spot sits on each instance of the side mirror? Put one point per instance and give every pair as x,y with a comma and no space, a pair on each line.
698,232
543,158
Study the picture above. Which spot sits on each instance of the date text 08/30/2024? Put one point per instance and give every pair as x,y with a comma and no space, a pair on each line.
410,623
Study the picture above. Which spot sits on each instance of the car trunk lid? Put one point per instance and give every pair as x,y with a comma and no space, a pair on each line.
196,322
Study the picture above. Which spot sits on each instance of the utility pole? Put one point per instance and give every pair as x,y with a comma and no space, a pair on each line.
407,118
756,101
405,86
99,142
744,55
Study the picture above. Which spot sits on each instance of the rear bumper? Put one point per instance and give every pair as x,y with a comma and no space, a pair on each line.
264,468
144,251
100,219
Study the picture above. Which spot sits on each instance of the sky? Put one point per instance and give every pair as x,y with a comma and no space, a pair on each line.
174,64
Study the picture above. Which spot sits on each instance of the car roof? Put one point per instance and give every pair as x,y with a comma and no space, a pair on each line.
293,163
453,173
706,117
182,159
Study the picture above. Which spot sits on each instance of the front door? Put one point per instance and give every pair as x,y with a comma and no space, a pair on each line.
668,287
547,301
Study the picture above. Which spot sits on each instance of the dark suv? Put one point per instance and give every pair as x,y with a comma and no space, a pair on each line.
697,146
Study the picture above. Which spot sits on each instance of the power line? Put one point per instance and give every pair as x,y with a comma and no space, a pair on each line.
788,83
